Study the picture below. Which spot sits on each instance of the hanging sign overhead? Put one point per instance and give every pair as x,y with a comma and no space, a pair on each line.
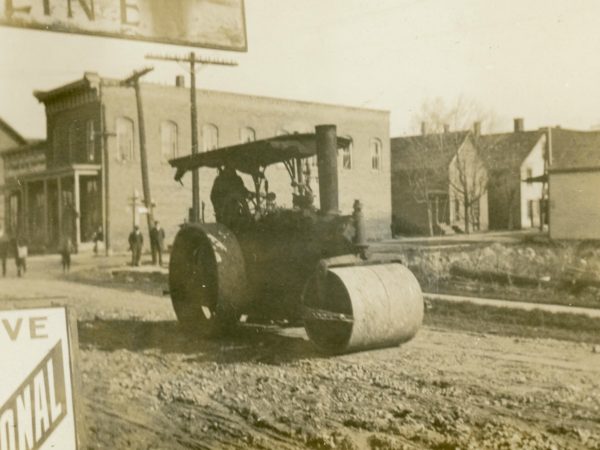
218,24
36,383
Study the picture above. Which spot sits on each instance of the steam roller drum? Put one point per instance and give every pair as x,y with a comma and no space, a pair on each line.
207,278
362,307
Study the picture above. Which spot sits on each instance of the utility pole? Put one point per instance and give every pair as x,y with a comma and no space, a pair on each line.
134,81
192,59
104,134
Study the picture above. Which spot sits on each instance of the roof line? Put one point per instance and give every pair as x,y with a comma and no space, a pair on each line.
12,132
90,78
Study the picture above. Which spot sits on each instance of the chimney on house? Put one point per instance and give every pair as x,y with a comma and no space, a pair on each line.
446,128
423,128
180,81
477,129
519,125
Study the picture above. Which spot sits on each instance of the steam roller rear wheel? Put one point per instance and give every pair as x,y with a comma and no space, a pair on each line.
207,279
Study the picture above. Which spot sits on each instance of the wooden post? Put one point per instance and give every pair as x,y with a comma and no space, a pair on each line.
25,224
105,176
134,80
194,119
46,233
77,210
60,210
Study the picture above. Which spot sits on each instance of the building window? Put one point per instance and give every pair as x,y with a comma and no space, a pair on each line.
456,209
210,137
73,142
346,155
90,141
376,154
124,139
247,134
168,140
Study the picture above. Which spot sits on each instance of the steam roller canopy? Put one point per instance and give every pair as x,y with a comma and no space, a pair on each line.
362,307
207,278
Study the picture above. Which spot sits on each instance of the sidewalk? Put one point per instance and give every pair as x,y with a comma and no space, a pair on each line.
595,313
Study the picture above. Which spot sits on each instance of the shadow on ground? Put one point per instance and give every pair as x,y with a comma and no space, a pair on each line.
249,343
150,284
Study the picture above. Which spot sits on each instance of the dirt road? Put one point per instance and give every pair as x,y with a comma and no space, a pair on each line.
146,386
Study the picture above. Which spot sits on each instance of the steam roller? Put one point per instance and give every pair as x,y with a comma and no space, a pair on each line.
262,263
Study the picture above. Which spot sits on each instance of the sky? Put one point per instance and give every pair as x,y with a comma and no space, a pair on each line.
535,59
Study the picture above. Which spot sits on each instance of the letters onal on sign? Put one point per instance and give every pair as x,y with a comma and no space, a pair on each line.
36,389
200,23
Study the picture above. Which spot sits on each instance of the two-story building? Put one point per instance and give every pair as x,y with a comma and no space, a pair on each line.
514,160
438,184
92,131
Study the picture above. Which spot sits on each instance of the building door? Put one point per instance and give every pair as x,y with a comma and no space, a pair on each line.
53,230
14,213
530,213
69,213
91,207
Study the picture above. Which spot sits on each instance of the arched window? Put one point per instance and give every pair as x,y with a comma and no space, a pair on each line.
376,150
247,134
124,139
346,155
90,140
169,146
73,128
210,137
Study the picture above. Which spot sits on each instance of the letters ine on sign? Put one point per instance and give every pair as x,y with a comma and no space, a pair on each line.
216,24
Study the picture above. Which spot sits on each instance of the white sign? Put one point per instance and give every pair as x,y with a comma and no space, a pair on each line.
36,383
217,24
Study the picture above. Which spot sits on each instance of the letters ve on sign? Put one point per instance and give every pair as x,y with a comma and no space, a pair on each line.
37,396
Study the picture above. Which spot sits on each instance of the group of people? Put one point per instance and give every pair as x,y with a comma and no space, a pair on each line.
157,241
18,247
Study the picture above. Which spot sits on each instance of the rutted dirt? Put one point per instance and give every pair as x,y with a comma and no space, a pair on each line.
147,386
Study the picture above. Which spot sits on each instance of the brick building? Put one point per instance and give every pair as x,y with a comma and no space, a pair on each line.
76,154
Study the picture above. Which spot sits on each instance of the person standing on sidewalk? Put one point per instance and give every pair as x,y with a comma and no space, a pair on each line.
65,254
136,242
20,249
157,240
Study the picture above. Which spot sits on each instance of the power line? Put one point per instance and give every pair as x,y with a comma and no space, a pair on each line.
193,60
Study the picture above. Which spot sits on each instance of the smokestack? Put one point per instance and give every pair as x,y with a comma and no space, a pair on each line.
423,128
519,125
327,168
446,128
180,81
477,129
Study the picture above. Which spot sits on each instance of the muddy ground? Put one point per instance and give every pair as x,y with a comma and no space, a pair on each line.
147,386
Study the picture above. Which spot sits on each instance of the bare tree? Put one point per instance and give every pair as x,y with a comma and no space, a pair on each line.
468,180
444,161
